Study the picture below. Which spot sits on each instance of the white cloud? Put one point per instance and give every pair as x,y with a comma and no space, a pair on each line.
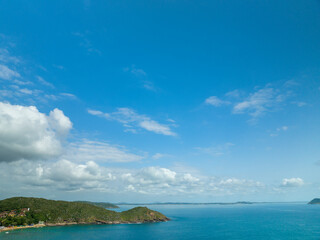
235,93
65,175
5,57
156,127
142,76
87,150
44,82
27,133
19,82
86,43
271,98
71,176
215,101
60,67
7,73
21,89
291,83
62,175
258,103
69,95
284,128
95,112
278,130
131,120
135,71
292,182
59,122
26,91
299,103
158,156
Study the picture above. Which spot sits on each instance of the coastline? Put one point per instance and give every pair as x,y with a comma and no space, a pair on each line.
21,227
76,223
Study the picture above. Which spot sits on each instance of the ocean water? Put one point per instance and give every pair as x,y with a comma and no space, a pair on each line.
256,221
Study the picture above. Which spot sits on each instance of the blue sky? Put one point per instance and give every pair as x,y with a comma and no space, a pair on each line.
160,101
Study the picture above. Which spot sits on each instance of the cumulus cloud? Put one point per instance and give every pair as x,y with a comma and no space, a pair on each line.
26,133
132,120
292,182
70,176
65,175
62,175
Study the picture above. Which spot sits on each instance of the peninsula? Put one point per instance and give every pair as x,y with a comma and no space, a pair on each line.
28,212
315,201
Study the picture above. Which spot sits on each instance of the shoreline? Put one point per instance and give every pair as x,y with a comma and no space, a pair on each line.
21,227
75,223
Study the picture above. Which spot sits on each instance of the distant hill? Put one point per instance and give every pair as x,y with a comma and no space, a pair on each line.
100,204
23,211
315,201
186,203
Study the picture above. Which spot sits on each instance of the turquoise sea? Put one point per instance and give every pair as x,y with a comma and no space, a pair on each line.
254,221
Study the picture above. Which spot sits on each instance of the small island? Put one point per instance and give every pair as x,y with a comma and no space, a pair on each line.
315,201
22,212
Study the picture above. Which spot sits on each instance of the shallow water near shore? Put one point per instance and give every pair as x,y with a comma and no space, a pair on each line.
253,221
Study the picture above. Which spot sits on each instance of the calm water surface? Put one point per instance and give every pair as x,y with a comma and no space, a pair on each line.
256,221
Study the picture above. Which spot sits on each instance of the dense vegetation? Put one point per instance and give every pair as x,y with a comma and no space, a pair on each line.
315,201
55,212
100,204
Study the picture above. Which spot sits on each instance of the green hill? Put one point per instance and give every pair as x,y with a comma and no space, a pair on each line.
315,201
100,204
22,211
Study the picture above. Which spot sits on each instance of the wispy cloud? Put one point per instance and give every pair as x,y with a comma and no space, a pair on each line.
217,150
44,82
87,150
68,95
60,67
6,57
299,103
278,130
132,120
159,155
142,76
8,74
234,94
259,102
86,43
215,101
22,85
